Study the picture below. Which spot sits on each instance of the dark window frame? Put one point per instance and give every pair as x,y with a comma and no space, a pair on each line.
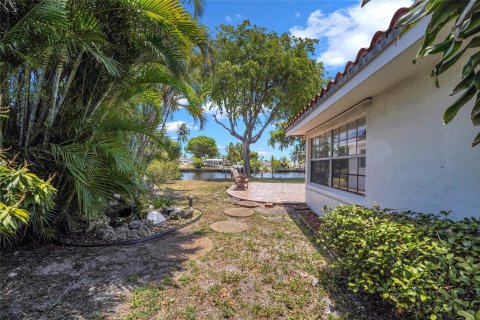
333,146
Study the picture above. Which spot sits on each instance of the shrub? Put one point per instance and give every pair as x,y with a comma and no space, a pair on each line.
161,202
427,266
25,200
197,162
163,171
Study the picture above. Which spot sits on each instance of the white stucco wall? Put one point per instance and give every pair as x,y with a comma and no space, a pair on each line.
413,160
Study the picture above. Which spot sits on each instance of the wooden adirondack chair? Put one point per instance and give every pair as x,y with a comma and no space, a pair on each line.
241,182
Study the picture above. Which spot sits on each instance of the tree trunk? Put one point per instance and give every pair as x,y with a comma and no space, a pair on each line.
246,158
24,106
53,104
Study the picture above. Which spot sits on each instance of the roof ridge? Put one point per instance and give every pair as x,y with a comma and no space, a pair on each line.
376,39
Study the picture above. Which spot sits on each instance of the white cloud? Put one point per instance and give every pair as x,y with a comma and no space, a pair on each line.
346,30
173,126
183,102
231,19
297,15
209,108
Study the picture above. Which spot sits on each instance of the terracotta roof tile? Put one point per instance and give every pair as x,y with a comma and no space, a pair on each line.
376,39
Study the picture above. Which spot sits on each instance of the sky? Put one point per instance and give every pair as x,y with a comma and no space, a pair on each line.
341,27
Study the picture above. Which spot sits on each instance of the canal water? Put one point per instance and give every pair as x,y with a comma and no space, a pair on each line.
205,175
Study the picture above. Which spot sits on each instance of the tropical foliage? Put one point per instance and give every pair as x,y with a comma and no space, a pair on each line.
163,171
462,40
427,266
258,76
86,87
298,154
234,152
182,133
25,202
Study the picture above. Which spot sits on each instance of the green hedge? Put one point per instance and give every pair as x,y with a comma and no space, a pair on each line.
163,171
427,266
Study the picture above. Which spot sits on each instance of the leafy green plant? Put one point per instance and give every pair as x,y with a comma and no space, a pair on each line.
162,202
427,266
197,162
163,171
25,199
86,90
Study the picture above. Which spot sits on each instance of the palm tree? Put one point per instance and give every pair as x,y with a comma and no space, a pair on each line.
298,153
183,133
84,86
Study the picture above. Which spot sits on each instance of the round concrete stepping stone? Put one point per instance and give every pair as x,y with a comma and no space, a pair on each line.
247,204
239,212
229,226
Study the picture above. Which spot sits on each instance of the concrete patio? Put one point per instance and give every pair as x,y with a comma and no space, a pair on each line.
279,193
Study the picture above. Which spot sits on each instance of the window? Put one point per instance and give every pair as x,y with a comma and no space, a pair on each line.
338,157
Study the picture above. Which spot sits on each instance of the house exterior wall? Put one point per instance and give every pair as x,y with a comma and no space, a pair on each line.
414,161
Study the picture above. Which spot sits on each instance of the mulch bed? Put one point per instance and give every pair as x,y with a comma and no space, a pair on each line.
311,218
89,239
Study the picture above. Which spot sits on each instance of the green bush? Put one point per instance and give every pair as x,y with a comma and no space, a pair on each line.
161,202
197,162
427,266
25,200
163,171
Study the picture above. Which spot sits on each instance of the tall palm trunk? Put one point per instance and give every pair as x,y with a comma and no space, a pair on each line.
24,105
35,102
53,104
70,79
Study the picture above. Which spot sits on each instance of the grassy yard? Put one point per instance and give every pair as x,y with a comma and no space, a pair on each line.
271,271
268,272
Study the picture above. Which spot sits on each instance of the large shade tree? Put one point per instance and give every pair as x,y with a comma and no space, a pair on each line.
202,147
258,76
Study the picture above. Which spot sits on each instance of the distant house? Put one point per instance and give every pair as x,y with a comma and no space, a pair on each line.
213,162
375,134
185,161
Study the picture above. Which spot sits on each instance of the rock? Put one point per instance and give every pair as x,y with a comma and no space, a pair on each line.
133,234
144,231
121,233
176,213
156,217
12,274
187,213
135,224
147,222
315,281
100,223
167,210
114,203
268,205
107,233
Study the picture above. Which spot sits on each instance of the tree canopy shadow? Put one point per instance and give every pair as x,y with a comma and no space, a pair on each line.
53,282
